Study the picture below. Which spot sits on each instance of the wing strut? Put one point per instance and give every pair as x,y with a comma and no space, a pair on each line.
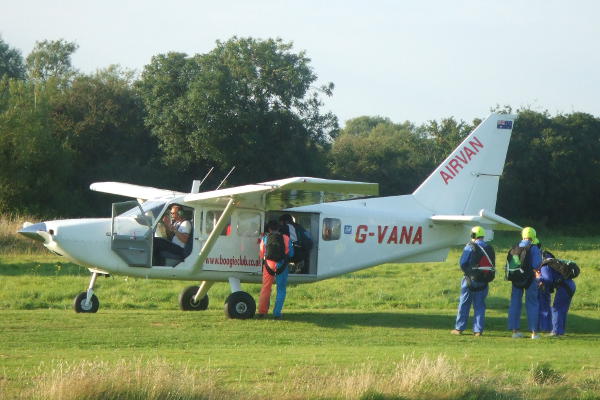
214,235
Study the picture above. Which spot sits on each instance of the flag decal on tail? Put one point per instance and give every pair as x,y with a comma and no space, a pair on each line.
504,124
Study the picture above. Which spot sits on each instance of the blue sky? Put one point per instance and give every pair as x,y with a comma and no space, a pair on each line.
405,60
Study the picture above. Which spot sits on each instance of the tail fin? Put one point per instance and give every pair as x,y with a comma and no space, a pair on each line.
467,181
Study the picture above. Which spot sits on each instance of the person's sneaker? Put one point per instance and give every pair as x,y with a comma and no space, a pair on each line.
277,317
456,332
478,333
517,335
535,336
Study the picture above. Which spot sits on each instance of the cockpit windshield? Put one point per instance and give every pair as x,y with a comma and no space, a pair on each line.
151,208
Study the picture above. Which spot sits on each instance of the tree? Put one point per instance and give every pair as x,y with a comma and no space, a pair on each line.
35,168
99,119
11,62
551,169
362,126
51,59
374,149
444,136
249,103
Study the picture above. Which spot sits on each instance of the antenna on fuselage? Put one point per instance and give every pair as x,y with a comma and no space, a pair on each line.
196,183
226,176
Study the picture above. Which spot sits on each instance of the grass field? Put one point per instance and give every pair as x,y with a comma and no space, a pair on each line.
381,333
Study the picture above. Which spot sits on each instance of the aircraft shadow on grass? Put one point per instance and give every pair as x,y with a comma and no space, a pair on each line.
445,322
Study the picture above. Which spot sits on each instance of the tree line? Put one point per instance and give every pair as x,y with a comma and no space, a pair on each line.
253,104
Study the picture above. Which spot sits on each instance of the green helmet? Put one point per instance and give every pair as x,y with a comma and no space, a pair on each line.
477,231
528,233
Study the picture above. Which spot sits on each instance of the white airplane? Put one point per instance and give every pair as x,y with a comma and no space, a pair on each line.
351,231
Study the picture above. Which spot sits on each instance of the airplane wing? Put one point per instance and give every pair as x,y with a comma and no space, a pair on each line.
134,191
286,193
485,218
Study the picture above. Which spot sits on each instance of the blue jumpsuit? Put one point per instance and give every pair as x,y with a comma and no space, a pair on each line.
468,297
562,299
545,316
534,258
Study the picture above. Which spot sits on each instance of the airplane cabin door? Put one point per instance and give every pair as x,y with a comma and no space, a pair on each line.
131,234
237,246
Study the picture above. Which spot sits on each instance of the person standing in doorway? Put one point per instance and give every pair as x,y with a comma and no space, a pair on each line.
275,251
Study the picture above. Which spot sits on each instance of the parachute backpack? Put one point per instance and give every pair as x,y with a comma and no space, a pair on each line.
566,268
482,268
518,271
274,247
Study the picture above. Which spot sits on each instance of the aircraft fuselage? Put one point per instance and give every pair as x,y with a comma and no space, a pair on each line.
348,236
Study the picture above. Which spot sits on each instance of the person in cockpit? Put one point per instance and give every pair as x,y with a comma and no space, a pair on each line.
178,229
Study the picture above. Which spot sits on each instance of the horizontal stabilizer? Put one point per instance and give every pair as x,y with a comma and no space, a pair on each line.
485,218
134,191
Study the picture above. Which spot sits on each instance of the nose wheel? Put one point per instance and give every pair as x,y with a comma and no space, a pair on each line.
87,302
188,302
82,305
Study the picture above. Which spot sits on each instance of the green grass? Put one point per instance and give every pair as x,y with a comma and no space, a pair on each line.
382,333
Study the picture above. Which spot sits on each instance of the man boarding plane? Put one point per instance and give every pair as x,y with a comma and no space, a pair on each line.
350,231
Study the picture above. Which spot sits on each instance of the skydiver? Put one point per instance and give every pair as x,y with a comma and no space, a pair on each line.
275,251
477,262
564,290
533,261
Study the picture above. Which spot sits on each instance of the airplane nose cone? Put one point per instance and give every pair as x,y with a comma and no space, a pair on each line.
35,231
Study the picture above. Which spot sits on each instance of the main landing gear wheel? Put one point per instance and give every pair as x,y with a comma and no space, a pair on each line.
186,300
80,306
240,305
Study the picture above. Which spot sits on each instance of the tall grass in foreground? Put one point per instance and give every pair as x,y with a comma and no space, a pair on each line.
411,378
12,243
140,379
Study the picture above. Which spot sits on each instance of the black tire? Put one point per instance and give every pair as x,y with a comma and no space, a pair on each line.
240,305
187,303
79,303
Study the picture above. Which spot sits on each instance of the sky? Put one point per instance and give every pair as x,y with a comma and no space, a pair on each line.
405,60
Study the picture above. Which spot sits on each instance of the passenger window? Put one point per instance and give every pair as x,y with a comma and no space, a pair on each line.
212,217
248,224
331,228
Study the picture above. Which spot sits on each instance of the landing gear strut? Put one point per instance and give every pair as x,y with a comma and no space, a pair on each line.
87,302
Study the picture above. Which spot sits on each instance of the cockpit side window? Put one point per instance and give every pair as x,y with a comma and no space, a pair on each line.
150,209
212,217
248,224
